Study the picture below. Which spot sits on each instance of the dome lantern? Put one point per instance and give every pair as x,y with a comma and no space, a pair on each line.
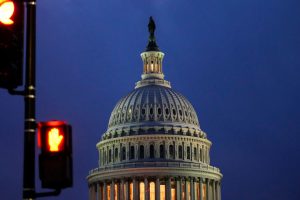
152,61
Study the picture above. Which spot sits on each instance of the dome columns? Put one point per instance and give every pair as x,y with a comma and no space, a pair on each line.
161,188
144,148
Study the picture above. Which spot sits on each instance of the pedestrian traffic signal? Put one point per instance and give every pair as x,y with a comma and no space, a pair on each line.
11,43
54,137
55,160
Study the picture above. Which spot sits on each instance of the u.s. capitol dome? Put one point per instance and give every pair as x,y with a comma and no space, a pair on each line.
154,148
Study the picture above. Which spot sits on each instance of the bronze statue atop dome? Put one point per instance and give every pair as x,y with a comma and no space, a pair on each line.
152,46
151,27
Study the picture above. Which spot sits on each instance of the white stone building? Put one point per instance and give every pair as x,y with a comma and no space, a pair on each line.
154,148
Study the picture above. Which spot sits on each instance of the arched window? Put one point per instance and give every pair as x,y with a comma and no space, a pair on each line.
159,111
116,153
167,111
151,111
162,151
123,156
143,111
109,155
180,153
141,156
188,153
201,158
151,151
195,153
131,156
171,151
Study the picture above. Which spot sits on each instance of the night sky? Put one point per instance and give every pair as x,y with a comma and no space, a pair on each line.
236,61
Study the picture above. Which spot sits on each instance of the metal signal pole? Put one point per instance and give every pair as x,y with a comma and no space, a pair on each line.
29,100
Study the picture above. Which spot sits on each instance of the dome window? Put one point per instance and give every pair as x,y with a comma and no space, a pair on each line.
116,153
129,115
143,111
180,112
188,153
151,151
123,155
167,111
162,151
151,111
159,111
109,155
180,153
152,66
141,152
171,152
201,155
131,156
174,111
195,153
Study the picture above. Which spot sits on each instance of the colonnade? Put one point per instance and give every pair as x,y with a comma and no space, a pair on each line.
169,188
172,150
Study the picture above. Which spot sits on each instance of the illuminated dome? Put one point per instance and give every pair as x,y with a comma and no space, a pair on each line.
154,109
154,148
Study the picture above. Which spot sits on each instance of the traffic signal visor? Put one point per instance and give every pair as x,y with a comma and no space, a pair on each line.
7,9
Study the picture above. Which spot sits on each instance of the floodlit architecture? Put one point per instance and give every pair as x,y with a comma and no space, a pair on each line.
154,148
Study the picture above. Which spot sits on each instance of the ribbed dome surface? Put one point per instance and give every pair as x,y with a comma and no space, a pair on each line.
153,107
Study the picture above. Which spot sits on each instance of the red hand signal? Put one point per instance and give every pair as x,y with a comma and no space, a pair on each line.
54,140
7,9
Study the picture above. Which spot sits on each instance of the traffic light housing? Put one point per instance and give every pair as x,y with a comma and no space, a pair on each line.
11,43
55,160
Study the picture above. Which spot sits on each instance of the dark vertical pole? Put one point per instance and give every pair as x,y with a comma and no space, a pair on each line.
30,123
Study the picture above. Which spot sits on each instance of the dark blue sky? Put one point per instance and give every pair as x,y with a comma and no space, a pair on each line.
237,61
